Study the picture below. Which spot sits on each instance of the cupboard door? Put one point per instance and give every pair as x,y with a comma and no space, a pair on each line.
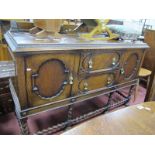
131,61
99,60
49,77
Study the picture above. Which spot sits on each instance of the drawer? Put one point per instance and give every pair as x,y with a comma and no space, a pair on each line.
96,82
99,61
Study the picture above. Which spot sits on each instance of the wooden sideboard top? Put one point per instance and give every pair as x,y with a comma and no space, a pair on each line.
24,41
138,119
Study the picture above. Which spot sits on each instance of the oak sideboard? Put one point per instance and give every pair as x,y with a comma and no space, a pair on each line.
56,72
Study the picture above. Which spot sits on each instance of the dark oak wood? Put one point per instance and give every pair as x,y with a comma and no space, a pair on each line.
58,80
100,60
133,120
51,73
131,62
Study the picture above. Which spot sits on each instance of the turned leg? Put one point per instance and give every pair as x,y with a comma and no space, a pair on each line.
70,115
109,101
129,95
23,126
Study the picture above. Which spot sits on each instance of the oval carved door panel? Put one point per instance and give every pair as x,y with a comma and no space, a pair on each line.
96,82
131,66
50,79
100,61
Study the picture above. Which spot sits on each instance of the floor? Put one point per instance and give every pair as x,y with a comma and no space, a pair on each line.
9,124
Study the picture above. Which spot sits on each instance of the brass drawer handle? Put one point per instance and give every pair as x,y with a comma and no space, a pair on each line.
122,71
114,61
90,64
85,86
109,81
71,79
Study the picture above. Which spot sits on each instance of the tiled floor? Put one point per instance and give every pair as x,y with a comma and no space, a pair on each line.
9,124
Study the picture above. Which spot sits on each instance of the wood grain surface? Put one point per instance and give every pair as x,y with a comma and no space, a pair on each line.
134,120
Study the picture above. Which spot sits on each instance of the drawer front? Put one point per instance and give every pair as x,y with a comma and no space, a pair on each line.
96,82
49,77
99,60
130,64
